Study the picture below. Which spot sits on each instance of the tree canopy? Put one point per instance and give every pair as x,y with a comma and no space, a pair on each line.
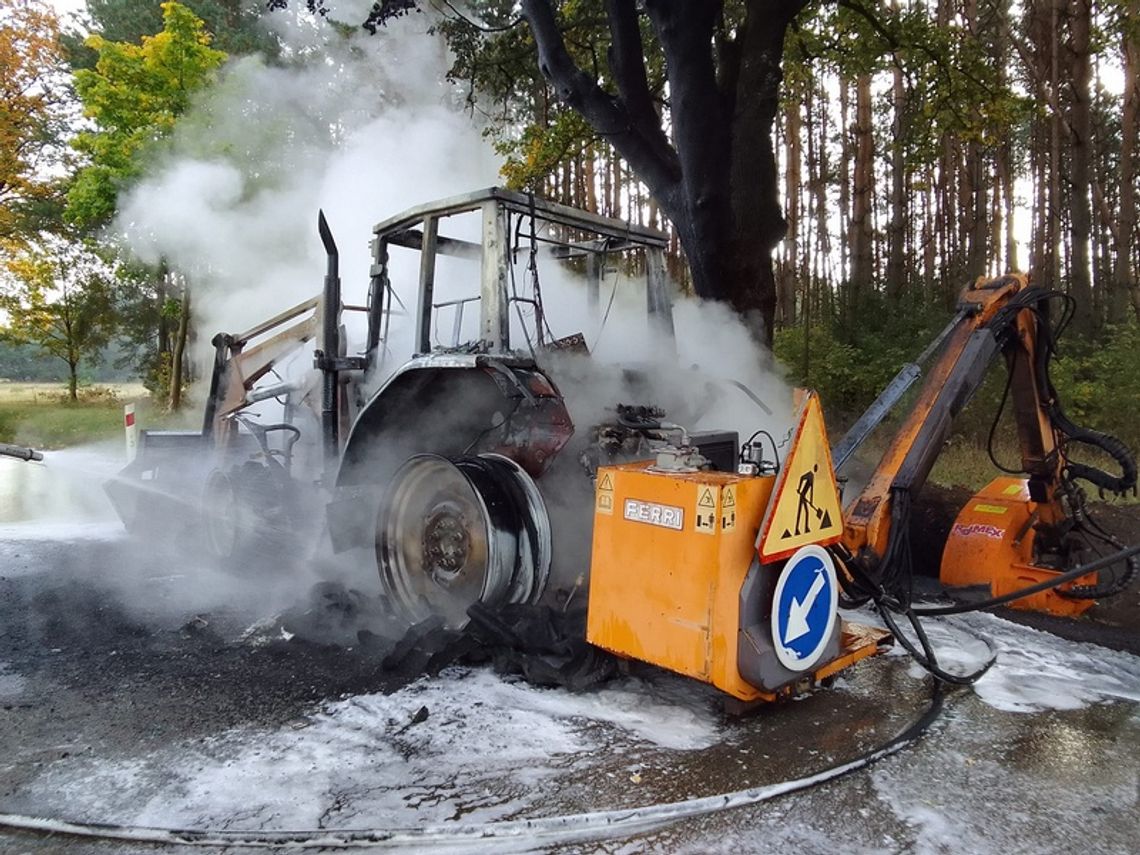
133,96
59,299
33,112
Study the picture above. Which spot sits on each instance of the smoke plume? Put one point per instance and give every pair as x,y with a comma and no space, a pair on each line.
364,127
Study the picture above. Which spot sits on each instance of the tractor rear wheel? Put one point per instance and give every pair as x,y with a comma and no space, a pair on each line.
451,533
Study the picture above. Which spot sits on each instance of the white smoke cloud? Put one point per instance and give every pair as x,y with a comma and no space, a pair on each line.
360,126
364,127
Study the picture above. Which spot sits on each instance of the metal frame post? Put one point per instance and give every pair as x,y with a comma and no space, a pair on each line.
494,322
427,285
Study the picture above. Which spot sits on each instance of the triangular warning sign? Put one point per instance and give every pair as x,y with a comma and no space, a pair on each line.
706,500
606,483
729,500
805,508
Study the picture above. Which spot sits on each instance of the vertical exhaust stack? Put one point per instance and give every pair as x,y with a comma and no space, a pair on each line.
326,356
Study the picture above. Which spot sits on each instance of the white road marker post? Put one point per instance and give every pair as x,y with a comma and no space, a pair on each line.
132,430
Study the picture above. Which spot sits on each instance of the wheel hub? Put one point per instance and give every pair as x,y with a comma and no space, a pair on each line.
446,543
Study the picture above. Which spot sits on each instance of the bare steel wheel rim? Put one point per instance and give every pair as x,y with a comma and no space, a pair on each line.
452,533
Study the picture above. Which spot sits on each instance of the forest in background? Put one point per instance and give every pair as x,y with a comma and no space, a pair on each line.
919,145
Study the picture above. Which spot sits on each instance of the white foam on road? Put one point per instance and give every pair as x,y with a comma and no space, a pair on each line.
489,749
493,748
62,531
11,685
1034,670
979,790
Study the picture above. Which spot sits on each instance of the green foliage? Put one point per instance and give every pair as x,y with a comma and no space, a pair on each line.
44,416
134,95
498,65
59,299
28,362
235,24
147,315
952,85
849,365
539,152
1098,384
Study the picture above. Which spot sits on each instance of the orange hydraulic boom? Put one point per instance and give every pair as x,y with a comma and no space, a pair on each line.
1015,532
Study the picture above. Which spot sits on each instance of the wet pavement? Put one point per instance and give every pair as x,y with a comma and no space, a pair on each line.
138,686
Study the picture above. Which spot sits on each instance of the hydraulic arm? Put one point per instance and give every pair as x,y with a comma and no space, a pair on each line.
1050,530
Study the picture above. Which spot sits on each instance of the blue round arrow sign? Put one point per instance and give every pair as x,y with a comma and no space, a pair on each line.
804,608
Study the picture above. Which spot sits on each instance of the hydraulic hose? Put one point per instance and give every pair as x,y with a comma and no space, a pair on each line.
495,836
1067,576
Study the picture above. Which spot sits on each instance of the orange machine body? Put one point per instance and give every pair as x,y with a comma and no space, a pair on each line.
991,543
670,555
669,595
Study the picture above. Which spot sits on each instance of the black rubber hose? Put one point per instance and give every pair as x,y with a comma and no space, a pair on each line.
542,831
1110,445
1067,576
926,658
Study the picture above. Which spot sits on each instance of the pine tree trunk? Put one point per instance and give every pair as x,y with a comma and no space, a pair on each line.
929,225
1080,157
786,297
1055,200
862,253
591,179
1123,275
1005,177
896,256
845,158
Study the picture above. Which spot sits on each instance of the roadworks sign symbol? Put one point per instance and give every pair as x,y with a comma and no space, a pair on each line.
806,508
804,607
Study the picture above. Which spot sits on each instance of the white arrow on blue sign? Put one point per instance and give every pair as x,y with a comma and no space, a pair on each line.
804,608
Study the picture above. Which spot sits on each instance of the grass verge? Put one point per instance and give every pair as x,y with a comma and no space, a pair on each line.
39,415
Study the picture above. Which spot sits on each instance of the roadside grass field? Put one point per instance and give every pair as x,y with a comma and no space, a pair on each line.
39,415
966,463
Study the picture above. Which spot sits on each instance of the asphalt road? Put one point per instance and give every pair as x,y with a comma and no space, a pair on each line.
138,686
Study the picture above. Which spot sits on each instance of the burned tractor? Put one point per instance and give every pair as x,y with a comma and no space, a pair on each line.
430,462
475,485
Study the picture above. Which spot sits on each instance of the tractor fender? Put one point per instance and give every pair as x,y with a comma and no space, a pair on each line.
452,405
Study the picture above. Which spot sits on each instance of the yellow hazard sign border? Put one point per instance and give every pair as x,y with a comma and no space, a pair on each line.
703,509
728,507
773,551
604,495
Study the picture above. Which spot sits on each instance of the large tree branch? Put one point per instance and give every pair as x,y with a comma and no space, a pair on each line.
700,130
606,114
627,63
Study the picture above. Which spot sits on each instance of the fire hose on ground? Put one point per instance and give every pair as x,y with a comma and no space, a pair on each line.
591,825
